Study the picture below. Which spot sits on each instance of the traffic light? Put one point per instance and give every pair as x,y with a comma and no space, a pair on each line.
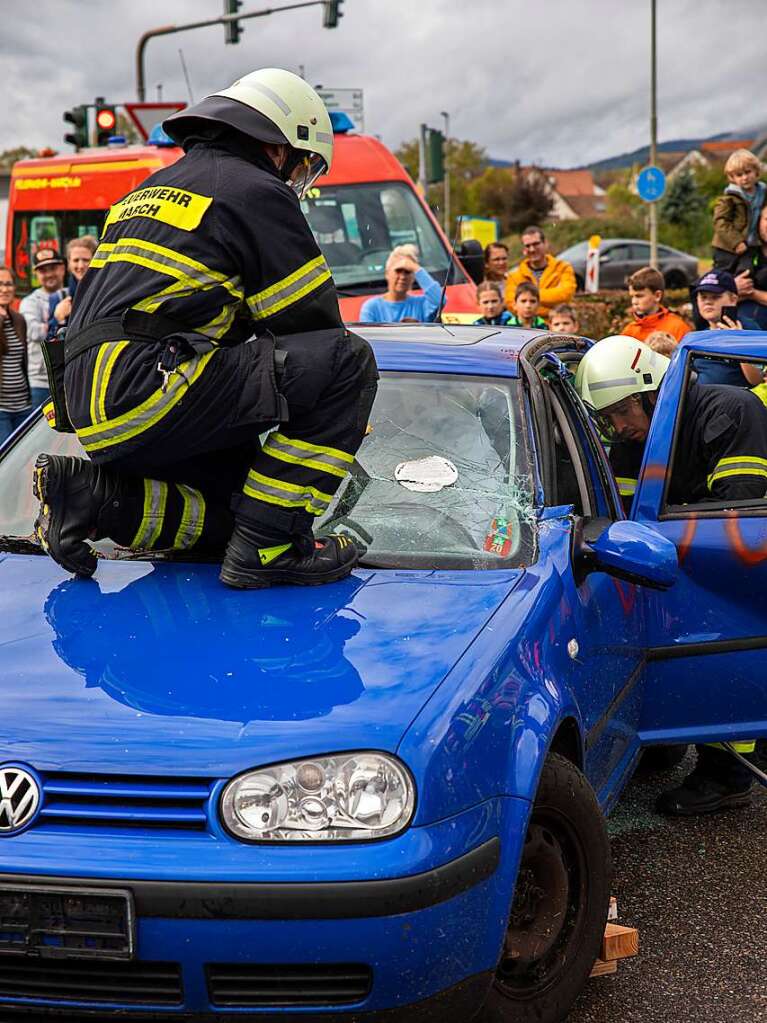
78,117
331,12
435,156
232,29
106,121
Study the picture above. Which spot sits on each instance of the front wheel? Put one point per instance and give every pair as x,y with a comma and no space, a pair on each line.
560,903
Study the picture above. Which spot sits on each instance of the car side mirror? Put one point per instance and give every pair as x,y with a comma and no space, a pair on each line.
472,256
631,551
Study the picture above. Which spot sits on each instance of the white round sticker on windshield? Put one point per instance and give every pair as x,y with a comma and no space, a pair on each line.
426,475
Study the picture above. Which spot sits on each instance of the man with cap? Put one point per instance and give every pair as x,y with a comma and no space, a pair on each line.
723,434
715,296
166,386
50,268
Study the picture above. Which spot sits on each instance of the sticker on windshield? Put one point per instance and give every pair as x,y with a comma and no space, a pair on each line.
426,475
498,539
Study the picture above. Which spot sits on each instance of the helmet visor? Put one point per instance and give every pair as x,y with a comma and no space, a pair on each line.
310,167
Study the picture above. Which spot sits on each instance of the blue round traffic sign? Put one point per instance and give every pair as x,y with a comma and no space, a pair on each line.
651,184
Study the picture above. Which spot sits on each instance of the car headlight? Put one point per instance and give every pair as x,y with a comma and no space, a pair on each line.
344,797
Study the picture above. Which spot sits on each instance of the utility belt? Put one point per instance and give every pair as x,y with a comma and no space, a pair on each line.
134,325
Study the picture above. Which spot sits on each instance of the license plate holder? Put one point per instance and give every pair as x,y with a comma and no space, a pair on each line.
67,922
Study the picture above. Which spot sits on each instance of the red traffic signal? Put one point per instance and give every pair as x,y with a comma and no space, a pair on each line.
105,119
106,122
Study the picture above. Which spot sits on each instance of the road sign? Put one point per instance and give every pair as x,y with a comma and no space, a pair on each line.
146,115
350,101
591,284
651,184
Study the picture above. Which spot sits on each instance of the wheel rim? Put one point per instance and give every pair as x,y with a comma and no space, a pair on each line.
547,915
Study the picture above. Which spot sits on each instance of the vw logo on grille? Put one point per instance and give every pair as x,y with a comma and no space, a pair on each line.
19,799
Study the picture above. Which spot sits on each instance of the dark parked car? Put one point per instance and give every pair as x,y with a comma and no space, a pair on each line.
620,257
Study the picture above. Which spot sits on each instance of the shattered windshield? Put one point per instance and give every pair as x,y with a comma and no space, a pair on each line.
442,479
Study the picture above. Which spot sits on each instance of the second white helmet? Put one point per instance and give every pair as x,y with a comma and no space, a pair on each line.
617,367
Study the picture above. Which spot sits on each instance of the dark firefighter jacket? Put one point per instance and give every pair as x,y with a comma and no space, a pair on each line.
216,242
215,245
721,450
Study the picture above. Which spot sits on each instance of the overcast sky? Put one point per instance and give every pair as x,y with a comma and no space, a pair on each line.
555,82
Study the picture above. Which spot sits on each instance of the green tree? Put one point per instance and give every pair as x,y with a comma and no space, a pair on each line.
9,156
517,197
682,203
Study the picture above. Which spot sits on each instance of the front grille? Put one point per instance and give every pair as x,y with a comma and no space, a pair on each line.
244,985
133,983
95,800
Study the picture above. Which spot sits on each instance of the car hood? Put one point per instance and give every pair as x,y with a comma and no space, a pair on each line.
153,668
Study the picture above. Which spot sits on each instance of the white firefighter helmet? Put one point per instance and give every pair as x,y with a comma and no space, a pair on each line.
616,368
273,106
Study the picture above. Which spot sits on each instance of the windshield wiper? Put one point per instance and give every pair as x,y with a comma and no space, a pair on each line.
20,545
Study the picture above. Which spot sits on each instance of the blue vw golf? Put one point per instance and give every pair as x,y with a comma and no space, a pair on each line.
384,798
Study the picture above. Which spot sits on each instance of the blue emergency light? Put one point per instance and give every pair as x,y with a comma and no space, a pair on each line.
159,137
341,122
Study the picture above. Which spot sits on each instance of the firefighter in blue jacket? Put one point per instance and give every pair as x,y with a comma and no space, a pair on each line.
166,385
723,437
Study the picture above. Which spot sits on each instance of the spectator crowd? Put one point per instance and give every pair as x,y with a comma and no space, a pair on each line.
536,293
23,377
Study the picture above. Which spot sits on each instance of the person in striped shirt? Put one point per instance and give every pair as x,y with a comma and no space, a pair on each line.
15,401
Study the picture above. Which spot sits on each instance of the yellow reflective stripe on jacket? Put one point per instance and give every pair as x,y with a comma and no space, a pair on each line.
312,456
192,517
287,495
744,746
102,371
149,412
290,289
738,465
221,322
174,206
626,486
155,501
161,259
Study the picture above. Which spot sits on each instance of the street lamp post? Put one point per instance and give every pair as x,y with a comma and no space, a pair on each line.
653,134
446,163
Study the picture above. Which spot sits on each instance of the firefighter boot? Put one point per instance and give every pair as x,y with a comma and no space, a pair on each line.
254,561
73,493
700,794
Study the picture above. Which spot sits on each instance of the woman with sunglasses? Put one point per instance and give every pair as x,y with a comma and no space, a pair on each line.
15,400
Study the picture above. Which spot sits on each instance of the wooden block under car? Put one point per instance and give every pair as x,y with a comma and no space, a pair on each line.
602,966
619,942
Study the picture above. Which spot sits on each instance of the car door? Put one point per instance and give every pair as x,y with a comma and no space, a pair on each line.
605,637
708,633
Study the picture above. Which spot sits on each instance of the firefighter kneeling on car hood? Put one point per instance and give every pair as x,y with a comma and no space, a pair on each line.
723,432
165,384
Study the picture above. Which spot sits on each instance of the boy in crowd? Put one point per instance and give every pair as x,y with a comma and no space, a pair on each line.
646,290
736,213
491,305
526,302
715,296
662,342
564,320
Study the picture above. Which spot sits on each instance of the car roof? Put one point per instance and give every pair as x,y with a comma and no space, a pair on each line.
447,348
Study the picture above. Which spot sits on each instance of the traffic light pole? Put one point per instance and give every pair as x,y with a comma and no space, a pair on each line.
166,30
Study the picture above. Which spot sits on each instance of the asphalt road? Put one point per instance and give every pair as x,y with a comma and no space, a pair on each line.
697,891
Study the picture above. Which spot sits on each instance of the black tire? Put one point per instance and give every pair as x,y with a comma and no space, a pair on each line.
579,283
661,758
560,903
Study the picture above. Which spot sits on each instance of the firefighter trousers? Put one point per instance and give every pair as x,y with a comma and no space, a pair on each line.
187,458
